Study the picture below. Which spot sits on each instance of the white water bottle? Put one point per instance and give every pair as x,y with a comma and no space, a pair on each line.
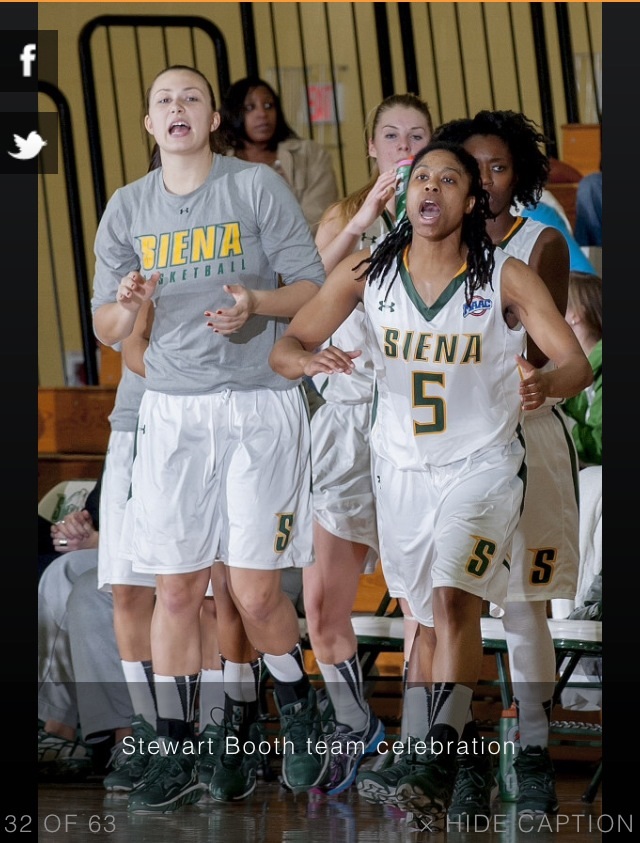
509,745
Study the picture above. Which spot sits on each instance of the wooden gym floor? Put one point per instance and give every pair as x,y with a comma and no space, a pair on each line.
83,813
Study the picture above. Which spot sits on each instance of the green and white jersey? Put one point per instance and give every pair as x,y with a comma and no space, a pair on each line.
519,243
242,226
446,375
522,237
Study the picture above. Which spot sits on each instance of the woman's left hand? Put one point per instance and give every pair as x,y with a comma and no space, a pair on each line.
229,320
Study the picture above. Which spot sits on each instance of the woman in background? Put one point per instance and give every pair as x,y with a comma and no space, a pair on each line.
255,129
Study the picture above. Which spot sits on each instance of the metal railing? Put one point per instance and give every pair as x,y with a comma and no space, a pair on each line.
73,242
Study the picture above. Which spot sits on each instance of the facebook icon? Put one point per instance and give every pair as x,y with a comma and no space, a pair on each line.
27,57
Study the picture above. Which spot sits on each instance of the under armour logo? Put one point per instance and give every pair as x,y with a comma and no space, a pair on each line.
143,428
384,306
184,210
372,238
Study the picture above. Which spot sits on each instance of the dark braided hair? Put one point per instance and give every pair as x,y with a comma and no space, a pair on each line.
521,135
480,258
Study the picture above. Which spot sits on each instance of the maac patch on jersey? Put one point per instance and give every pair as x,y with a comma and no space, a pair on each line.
478,307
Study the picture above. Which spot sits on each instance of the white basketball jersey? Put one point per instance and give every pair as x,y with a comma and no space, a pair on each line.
523,236
447,378
356,388
519,243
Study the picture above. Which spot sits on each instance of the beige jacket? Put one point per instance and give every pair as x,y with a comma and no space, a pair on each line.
308,168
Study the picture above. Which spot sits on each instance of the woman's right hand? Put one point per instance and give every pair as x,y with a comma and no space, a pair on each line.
381,192
135,289
75,532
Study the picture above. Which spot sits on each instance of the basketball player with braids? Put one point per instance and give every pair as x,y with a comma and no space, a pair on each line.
344,529
447,319
545,554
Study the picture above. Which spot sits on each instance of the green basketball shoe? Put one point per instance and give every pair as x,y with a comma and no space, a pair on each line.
303,767
169,782
129,761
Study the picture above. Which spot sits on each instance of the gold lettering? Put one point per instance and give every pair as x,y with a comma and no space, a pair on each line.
180,246
163,250
147,248
231,244
203,244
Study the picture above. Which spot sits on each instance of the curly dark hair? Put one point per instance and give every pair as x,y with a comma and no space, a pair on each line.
522,137
480,257
232,114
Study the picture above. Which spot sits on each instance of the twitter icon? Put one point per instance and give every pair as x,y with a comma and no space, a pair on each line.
30,143
28,147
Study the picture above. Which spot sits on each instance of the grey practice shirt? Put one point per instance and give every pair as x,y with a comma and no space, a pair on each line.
242,226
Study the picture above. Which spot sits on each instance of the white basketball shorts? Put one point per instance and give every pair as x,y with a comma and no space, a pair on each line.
343,499
546,546
221,476
449,526
113,567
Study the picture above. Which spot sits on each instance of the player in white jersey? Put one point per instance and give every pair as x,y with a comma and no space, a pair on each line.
222,249
447,331
345,533
545,552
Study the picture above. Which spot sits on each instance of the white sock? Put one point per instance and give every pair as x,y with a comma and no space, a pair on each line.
343,682
211,698
140,691
450,707
286,668
532,663
533,723
239,681
416,706
176,695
